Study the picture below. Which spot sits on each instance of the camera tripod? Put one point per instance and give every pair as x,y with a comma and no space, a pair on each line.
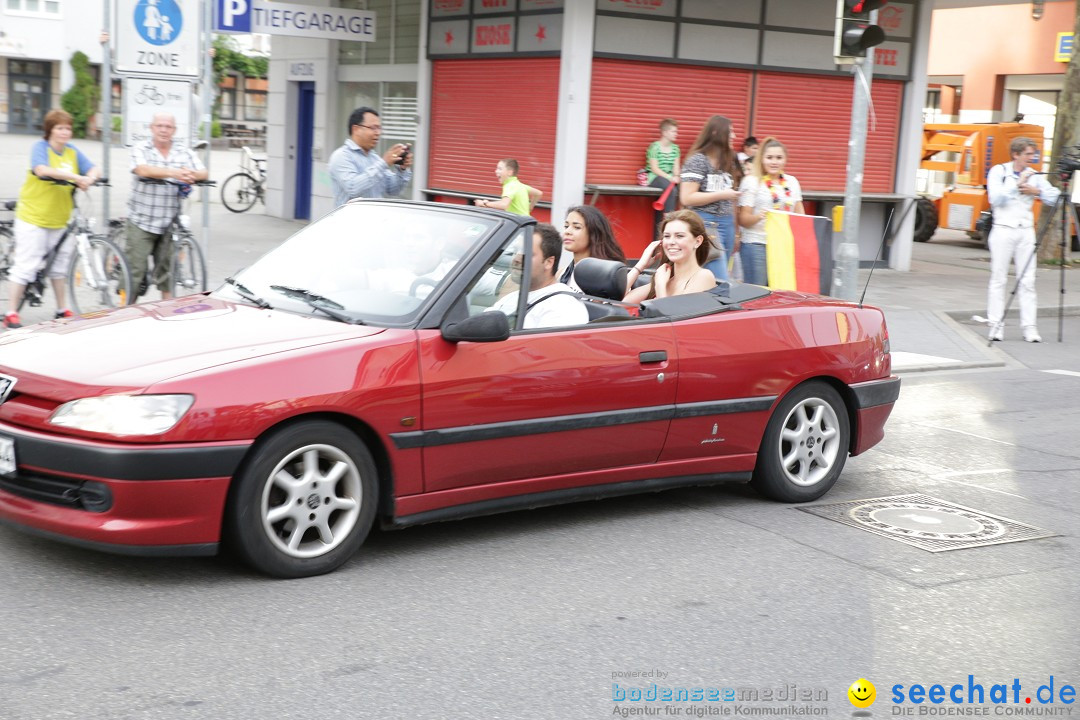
1065,207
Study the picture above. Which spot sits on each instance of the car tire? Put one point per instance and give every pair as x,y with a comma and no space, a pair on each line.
304,500
805,445
926,219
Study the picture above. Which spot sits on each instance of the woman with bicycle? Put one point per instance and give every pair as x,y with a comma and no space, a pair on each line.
153,206
43,210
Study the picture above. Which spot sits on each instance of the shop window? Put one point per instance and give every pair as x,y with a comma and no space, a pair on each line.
255,105
227,98
397,35
24,67
37,7
227,109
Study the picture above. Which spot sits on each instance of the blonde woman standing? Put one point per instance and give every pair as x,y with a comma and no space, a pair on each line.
767,187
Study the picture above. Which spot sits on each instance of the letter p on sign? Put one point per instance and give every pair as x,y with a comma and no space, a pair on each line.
233,16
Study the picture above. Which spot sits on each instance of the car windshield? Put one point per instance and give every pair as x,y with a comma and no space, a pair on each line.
369,263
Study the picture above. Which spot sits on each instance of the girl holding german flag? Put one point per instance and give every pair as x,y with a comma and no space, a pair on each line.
767,187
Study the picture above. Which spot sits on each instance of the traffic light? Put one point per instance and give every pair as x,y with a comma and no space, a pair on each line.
854,32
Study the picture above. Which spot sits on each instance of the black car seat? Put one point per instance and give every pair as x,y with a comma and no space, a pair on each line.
604,279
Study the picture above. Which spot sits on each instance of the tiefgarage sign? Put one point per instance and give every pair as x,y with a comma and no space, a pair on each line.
159,37
275,18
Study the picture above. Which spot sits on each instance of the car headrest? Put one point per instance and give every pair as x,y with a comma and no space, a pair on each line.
601,278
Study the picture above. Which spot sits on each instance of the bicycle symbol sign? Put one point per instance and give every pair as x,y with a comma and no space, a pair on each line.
158,21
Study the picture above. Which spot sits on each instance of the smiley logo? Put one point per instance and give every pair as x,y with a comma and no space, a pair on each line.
862,693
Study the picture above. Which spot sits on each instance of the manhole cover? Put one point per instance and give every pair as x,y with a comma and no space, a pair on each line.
927,522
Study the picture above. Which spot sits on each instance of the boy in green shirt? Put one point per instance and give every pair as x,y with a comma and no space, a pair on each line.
517,197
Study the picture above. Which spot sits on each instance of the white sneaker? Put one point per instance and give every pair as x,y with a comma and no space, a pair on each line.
1031,334
997,332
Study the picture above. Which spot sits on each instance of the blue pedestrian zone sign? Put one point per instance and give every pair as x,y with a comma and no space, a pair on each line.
158,21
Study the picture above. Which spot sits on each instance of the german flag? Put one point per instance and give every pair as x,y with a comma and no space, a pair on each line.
798,252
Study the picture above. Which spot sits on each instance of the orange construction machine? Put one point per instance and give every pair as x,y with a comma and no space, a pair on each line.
967,152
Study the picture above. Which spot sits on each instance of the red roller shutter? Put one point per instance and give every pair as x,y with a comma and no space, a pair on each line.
811,114
630,98
486,110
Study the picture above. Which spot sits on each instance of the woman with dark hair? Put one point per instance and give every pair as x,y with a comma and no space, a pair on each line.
587,233
684,249
709,181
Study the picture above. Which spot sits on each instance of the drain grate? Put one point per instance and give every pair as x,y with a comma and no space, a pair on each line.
927,522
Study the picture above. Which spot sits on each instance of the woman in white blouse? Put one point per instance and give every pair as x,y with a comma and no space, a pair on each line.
766,188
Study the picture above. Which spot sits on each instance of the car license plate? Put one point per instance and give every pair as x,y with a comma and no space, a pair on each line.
7,456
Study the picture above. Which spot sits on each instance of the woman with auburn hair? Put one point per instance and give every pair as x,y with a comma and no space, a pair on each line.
43,211
684,249
587,233
709,179
768,187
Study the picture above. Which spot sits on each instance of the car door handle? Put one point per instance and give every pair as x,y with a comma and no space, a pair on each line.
653,356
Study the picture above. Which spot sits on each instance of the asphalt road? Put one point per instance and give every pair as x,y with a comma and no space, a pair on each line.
536,614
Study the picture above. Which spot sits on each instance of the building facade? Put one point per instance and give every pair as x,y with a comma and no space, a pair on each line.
37,40
993,63
574,90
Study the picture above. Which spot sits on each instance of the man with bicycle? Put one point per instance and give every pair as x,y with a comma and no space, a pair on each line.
43,210
152,206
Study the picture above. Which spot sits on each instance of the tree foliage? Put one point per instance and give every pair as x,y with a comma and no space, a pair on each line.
228,59
81,99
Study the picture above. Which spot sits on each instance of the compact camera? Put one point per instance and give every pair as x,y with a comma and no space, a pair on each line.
404,155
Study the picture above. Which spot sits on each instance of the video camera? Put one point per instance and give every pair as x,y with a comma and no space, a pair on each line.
1070,160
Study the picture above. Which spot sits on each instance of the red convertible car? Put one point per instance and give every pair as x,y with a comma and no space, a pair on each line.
357,372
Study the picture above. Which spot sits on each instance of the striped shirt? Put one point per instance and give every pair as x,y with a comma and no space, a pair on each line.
152,206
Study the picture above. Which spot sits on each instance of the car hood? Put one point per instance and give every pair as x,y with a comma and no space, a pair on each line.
135,347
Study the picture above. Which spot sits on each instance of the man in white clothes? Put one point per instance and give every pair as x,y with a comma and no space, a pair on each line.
1012,188
546,307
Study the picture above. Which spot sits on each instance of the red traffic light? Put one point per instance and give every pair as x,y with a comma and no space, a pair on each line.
859,7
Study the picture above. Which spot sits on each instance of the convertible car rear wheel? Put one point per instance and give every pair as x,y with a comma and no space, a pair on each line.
805,445
304,502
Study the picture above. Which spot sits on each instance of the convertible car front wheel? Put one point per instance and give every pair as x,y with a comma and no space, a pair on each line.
805,445
304,502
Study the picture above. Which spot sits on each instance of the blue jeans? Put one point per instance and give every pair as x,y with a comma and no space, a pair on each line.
722,228
754,267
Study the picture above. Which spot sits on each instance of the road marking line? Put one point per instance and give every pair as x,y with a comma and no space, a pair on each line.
979,487
980,437
1063,372
961,473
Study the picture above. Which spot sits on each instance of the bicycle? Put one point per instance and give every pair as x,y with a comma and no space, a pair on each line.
7,241
240,190
150,93
97,275
188,263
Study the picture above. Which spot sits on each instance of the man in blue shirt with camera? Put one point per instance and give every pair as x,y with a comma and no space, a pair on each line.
357,171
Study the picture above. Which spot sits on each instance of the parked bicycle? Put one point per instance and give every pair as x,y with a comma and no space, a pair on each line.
188,275
240,190
97,274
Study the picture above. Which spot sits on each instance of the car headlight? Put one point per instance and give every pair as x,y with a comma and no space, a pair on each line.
123,414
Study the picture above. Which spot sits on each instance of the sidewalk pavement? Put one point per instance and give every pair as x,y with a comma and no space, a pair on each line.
928,309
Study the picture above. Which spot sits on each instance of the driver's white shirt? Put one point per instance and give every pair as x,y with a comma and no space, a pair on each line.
558,311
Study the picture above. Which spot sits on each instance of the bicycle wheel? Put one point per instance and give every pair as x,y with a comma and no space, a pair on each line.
239,192
188,267
98,279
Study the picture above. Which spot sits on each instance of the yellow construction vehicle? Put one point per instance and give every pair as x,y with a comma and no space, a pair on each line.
967,152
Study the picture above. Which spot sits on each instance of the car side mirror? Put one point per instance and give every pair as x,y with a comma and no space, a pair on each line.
492,326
